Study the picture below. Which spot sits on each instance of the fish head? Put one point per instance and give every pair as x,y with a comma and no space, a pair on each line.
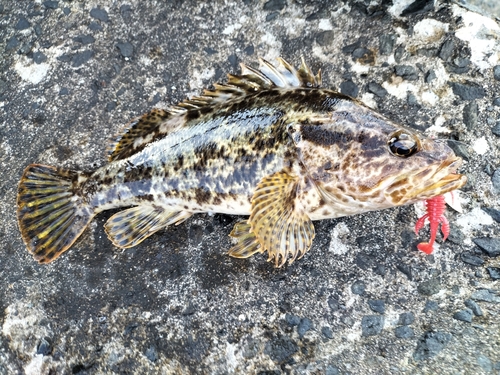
360,161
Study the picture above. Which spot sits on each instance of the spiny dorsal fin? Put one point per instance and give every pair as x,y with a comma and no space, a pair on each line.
149,126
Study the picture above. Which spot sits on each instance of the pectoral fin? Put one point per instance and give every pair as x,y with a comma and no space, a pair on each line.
130,227
278,222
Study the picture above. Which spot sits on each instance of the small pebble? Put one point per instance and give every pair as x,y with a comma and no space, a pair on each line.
495,180
325,38
99,14
430,76
372,325
404,332
474,307
44,347
405,319
470,114
490,246
446,50
292,320
496,102
358,287
463,315
494,272
126,49
51,4
407,72
349,88
485,363
304,326
493,212
22,24
496,129
327,332
468,91
377,305
151,353
275,5
471,259
482,295
386,44
377,89
431,306
81,58
496,72
430,344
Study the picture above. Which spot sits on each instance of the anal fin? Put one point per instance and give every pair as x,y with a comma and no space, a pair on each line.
247,244
130,227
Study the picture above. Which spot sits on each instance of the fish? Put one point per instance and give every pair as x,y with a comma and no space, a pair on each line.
270,144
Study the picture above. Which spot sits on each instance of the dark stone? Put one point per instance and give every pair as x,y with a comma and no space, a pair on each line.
126,12
305,325
490,246
430,76
349,49
377,89
44,347
485,363
496,129
325,38
332,370
405,269
280,348
360,52
51,4
12,43
66,11
249,50
463,315
349,88
126,49
292,320
446,51
358,287
495,180
322,13
63,91
430,344
412,100
25,48
233,60
380,270
151,353
372,325
474,307
327,332
470,114
39,57
482,295
431,306
94,26
404,332
272,16
405,319
471,259
377,305
429,287
398,55
456,236
496,102
459,148
99,14
189,310
494,272
468,91
22,24
386,44
496,72
418,7
84,39
38,30
3,86
209,50
81,58
407,72
273,5
334,304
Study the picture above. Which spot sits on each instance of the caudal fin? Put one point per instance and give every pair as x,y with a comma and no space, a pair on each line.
51,216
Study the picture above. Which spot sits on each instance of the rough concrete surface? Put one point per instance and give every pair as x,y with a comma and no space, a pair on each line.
362,301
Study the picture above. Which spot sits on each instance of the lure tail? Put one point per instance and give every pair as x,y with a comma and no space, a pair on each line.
50,214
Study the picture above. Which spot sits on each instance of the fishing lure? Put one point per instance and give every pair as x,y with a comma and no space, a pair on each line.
436,207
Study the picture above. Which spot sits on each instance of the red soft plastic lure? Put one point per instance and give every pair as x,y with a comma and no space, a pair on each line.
435,215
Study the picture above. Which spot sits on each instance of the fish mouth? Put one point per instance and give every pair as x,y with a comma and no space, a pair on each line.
444,180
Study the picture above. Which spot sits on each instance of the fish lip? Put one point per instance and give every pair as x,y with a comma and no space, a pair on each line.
450,181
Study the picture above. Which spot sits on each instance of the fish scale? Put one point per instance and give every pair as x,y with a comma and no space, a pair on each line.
270,144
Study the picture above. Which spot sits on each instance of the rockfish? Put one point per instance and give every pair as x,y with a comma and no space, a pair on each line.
270,144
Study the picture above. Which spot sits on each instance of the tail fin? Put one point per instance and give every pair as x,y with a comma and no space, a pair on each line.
51,216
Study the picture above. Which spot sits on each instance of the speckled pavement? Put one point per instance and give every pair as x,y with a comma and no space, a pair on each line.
362,301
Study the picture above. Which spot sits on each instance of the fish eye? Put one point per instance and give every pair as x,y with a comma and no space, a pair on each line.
403,144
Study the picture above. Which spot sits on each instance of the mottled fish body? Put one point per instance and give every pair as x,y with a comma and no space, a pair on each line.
270,144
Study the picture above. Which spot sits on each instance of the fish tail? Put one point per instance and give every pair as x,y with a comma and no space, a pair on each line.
50,214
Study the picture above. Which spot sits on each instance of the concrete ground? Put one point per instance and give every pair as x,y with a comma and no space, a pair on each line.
362,301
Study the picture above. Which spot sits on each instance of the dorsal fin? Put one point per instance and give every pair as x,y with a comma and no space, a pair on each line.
142,130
